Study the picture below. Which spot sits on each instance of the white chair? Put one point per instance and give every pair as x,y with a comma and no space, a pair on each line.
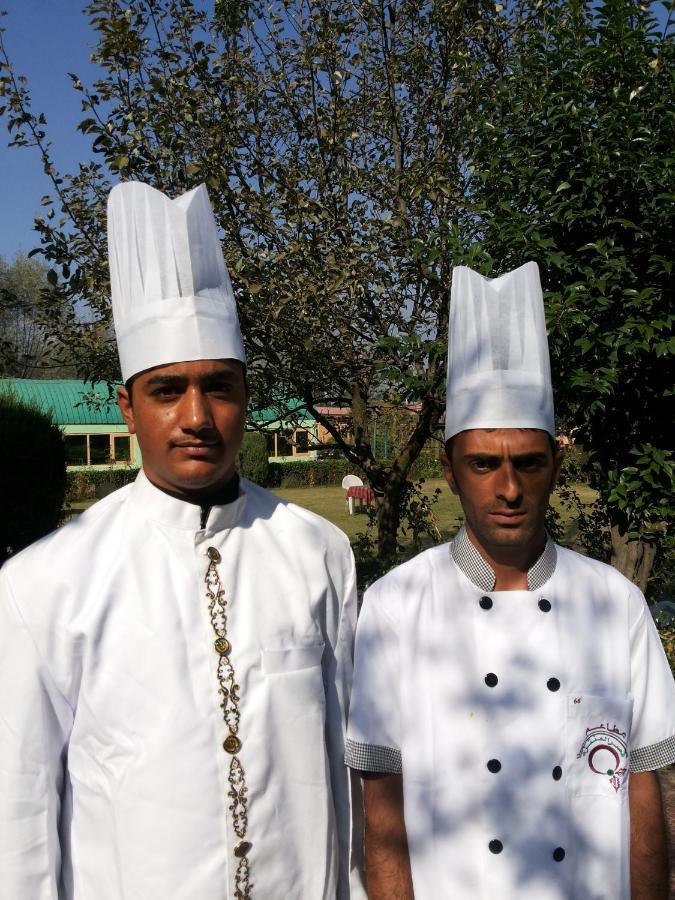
347,482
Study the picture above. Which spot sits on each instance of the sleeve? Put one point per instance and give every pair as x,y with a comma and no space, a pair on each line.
373,737
35,720
652,743
338,670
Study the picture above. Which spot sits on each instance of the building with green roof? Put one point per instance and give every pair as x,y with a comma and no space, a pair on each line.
97,437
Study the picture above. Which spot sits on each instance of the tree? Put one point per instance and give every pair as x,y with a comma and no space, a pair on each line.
24,343
32,473
355,153
573,166
331,137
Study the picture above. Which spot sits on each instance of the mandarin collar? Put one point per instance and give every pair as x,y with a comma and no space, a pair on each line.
468,559
172,512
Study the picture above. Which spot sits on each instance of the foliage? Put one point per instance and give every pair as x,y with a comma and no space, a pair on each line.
252,459
27,349
86,484
573,166
32,474
354,153
308,473
331,137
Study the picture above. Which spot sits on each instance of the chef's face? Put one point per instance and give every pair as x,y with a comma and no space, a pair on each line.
189,420
503,478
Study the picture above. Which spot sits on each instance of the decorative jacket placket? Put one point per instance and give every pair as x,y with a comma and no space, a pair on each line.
229,692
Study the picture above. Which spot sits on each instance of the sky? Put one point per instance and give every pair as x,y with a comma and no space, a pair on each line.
45,39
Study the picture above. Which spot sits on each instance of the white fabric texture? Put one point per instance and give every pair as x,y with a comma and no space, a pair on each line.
107,661
539,761
499,375
171,293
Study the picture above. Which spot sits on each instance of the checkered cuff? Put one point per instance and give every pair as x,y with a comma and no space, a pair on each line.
372,758
656,756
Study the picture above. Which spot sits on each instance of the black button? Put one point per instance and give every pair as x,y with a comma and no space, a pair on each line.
494,766
545,605
558,854
491,679
496,846
485,602
553,684
557,773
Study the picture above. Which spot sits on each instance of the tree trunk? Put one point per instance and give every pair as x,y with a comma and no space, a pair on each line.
634,558
389,517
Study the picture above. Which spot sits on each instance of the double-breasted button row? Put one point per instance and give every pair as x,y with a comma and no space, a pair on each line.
487,603
494,766
491,680
496,846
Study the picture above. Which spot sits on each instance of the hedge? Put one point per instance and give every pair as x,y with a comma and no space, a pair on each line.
33,467
87,484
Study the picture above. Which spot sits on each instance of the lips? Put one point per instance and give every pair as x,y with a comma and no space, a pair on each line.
511,517
197,450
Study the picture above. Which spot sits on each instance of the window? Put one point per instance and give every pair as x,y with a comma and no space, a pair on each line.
76,449
98,449
284,446
301,442
122,448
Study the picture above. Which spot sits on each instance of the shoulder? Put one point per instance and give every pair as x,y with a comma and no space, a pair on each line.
293,520
63,551
604,579
407,582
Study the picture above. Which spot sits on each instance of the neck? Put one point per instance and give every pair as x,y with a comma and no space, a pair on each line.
510,564
214,496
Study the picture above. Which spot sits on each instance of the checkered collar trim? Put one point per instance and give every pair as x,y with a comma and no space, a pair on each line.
469,560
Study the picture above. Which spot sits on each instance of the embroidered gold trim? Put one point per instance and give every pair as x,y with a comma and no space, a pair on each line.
229,691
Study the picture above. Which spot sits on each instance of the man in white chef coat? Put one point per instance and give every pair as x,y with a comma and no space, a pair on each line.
511,698
175,664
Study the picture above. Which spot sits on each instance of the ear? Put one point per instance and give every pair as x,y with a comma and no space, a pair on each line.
126,408
558,457
449,474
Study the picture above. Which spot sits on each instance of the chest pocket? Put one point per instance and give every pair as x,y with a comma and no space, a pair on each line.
597,744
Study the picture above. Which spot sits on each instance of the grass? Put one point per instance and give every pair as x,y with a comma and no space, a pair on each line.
330,503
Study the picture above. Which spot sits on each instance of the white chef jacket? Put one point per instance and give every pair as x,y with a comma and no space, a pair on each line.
512,716
113,776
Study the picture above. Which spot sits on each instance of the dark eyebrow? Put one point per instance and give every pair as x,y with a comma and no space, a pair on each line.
535,456
483,457
165,380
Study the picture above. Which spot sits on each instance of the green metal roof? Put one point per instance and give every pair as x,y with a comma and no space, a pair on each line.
65,399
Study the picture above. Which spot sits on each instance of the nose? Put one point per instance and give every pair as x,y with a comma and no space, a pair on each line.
508,486
196,411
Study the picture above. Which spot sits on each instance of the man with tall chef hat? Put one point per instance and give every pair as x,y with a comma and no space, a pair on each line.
511,698
175,664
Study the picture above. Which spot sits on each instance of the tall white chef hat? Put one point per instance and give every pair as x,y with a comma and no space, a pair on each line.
499,374
171,294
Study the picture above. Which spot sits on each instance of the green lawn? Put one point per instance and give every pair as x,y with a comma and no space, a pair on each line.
330,503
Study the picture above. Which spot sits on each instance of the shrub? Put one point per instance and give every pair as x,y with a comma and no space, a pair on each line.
252,459
86,484
310,472
33,479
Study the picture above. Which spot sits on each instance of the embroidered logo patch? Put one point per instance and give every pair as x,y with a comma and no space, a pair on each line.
606,751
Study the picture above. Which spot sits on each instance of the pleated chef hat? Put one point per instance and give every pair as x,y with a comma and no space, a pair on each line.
499,374
171,294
